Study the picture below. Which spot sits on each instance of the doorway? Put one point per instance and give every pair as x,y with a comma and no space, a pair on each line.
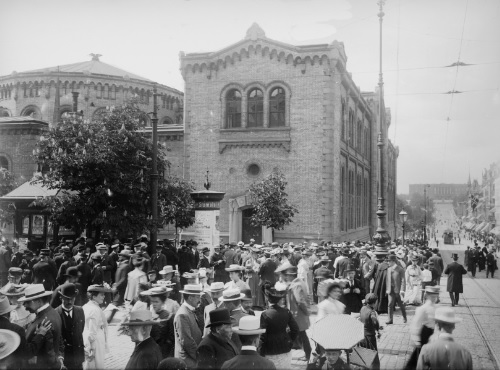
248,230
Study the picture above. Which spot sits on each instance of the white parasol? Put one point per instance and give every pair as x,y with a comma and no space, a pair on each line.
338,332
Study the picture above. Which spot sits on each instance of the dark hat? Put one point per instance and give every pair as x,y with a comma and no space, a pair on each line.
219,316
68,290
72,272
392,257
97,257
81,248
44,252
248,295
345,251
65,249
206,249
454,256
152,272
83,256
350,267
27,252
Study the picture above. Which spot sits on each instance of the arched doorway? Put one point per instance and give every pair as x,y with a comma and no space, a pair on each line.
249,231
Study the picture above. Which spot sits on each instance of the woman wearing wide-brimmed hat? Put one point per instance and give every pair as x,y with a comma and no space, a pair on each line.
95,333
281,329
413,277
235,274
20,315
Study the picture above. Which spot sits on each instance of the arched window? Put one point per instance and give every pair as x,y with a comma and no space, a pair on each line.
106,92
233,109
4,162
99,91
166,121
277,105
113,92
255,108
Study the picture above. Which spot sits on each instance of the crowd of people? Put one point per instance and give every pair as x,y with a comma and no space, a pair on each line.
233,306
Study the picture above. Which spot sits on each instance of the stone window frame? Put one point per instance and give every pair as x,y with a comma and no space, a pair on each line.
166,121
8,160
255,99
36,109
244,91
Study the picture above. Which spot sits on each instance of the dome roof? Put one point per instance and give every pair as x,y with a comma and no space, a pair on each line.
91,67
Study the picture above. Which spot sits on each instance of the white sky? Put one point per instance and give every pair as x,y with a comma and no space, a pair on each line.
420,36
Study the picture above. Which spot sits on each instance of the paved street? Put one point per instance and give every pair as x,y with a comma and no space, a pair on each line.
479,307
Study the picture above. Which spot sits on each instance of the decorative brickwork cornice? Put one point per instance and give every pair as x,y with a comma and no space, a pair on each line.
254,143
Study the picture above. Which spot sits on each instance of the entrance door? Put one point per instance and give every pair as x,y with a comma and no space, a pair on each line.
248,230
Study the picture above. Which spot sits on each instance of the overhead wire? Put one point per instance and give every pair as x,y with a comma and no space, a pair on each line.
454,89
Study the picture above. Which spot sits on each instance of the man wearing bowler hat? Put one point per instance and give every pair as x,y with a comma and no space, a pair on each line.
45,272
147,353
444,352
71,276
73,323
454,285
217,347
46,352
186,329
249,331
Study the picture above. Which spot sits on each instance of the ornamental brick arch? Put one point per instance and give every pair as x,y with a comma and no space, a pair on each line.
32,110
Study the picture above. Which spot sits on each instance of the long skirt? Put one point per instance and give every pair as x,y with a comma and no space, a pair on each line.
282,361
413,295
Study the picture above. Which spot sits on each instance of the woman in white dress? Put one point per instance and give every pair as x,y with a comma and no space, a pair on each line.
235,274
413,276
95,333
331,305
135,277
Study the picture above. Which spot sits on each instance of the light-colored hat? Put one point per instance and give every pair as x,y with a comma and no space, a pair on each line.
9,341
203,273
165,283
216,287
286,266
140,317
432,289
13,290
156,291
5,306
98,288
34,291
195,289
235,268
446,314
231,295
249,325
240,244
275,251
167,270
400,254
100,246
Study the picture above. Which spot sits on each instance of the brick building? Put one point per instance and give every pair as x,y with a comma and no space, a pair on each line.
261,105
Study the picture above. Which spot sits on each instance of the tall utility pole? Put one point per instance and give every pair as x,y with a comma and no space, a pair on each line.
154,174
381,236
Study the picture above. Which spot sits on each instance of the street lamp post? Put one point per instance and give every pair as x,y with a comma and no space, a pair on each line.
381,236
425,215
403,216
154,173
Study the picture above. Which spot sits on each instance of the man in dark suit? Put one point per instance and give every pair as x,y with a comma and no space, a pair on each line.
71,276
217,346
45,272
158,260
395,287
73,323
267,269
438,264
454,285
46,352
444,352
121,277
249,332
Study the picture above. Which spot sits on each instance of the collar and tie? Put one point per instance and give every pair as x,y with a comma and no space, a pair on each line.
69,313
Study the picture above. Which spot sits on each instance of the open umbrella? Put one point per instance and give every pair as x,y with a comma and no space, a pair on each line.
338,332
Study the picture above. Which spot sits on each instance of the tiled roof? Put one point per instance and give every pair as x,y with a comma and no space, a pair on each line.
94,67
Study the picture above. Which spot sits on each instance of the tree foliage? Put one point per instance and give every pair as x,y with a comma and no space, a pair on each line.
270,202
416,211
102,169
176,204
7,184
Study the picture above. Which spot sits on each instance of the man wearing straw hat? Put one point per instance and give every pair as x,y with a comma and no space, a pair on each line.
50,354
249,332
232,301
147,353
444,352
215,293
186,328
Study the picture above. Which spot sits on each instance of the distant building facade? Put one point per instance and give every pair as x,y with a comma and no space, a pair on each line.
260,106
439,191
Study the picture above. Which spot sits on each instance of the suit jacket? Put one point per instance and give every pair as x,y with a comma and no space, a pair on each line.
45,273
146,356
396,282
158,261
121,276
249,359
281,331
214,350
187,335
72,335
51,345
341,267
438,263
266,271
5,259
20,353
455,271
298,303
444,353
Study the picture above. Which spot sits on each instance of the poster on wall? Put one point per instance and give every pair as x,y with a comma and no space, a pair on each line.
206,228
23,244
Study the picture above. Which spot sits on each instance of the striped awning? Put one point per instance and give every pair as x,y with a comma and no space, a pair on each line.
495,231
